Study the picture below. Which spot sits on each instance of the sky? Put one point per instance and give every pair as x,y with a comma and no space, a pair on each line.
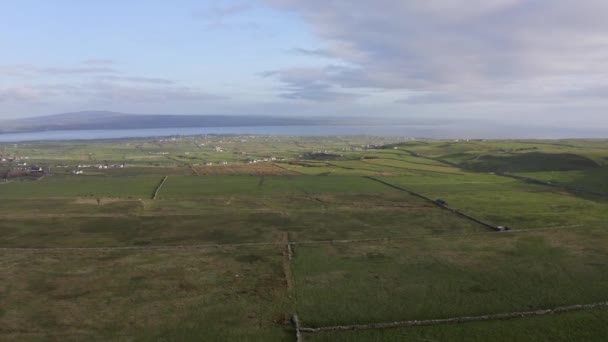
537,62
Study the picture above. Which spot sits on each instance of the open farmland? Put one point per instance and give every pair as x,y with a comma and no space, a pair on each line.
82,187
187,238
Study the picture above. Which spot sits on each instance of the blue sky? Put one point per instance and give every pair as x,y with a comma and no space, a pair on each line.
506,61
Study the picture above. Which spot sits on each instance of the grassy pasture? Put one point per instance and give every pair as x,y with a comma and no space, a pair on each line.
189,187
245,169
52,187
424,262
369,168
111,231
531,162
235,294
406,157
566,327
220,220
450,276
145,171
32,208
514,203
592,179
319,169
413,166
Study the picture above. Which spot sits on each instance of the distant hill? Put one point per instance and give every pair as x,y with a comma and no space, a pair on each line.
112,120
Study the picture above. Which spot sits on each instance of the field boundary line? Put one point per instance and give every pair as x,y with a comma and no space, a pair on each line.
296,173
353,168
455,211
456,320
408,161
420,170
520,178
160,185
290,281
553,184
289,245
194,170
287,269
296,325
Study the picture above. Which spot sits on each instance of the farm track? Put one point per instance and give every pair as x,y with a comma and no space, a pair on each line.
455,320
282,243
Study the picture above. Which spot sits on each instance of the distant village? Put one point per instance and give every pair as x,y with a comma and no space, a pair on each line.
209,150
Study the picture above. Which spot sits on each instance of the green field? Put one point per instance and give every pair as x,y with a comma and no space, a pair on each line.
578,326
95,257
89,186
187,187
501,203
448,277
593,179
144,295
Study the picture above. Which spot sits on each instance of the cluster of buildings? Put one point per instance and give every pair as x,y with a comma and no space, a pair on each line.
351,149
101,166
14,159
33,170
262,160
78,170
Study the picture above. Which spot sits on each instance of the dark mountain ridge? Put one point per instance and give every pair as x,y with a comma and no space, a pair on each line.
92,120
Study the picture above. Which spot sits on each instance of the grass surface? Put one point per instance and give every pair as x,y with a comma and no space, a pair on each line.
513,203
574,326
380,254
149,295
189,187
593,179
50,187
450,276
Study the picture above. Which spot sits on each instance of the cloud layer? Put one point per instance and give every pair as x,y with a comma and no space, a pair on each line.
454,50
98,81
495,60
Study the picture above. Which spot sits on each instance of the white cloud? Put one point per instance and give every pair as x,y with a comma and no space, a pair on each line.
457,50
98,61
31,70
217,16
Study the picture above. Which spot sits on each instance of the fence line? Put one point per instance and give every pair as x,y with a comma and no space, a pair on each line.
194,170
290,243
296,325
291,283
555,185
289,251
521,178
295,173
411,169
455,320
160,185
455,211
